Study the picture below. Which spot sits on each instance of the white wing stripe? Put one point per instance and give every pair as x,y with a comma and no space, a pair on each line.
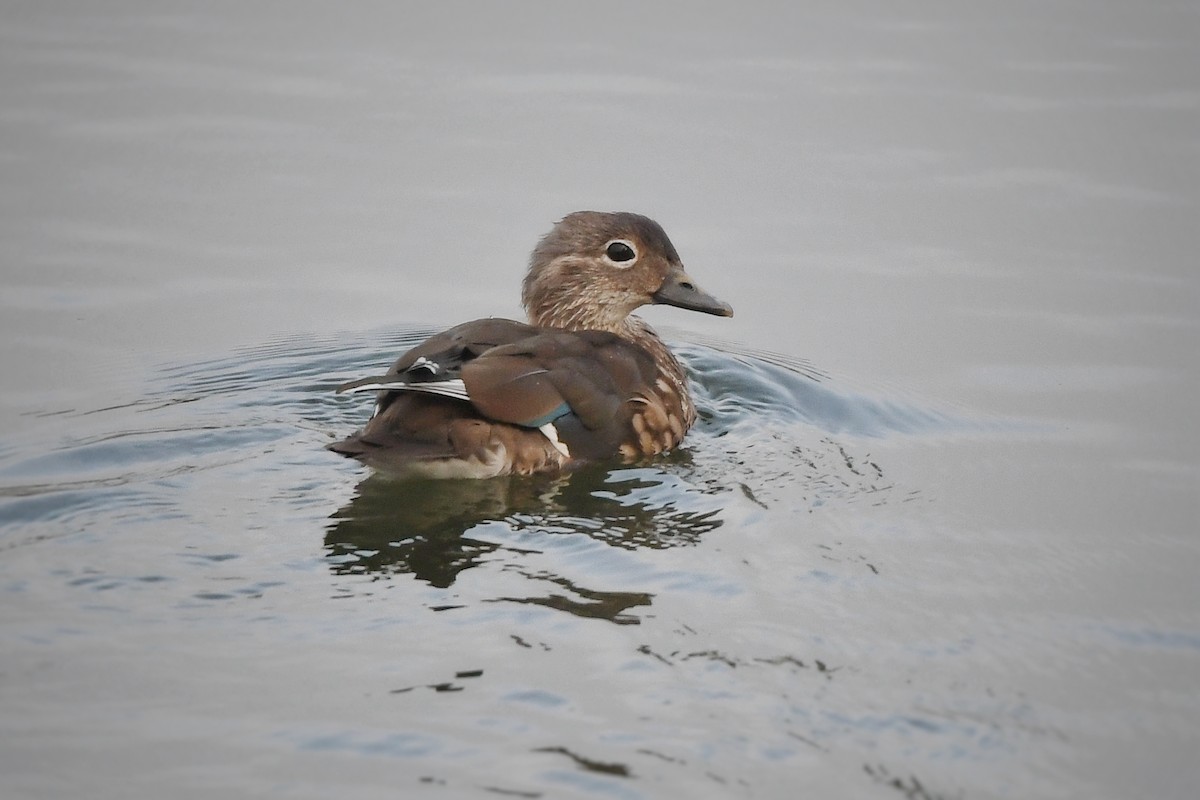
455,388
452,388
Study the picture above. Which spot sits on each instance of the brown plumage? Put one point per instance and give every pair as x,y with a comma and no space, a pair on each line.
584,380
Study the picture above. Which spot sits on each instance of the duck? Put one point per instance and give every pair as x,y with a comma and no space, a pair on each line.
582,380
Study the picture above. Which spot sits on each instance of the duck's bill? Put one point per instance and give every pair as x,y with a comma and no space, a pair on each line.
680,290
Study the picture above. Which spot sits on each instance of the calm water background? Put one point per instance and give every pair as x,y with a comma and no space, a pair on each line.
943,545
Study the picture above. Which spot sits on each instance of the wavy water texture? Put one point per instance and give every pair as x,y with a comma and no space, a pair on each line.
212,490
775,436
767,436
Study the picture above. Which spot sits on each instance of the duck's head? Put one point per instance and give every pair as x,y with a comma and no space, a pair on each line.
595,268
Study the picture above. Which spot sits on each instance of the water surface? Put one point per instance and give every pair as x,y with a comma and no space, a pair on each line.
933,536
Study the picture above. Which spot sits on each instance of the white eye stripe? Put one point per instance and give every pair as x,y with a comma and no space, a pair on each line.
621,253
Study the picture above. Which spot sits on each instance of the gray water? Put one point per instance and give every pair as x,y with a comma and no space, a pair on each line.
935,535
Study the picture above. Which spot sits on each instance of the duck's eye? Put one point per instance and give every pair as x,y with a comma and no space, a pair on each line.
620,251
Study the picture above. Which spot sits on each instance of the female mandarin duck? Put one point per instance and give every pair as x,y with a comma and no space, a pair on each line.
584,380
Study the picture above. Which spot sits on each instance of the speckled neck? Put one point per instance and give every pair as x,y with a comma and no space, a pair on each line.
672,371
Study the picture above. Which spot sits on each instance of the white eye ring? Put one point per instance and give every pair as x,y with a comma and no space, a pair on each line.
620,253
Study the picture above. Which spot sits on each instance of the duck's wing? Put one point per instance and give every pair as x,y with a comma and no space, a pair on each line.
577,389
435,365
551,374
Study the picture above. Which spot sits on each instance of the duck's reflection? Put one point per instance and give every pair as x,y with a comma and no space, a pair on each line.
424,528
587,602
418,527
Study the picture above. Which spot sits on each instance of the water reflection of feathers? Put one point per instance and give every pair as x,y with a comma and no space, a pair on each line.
425,527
